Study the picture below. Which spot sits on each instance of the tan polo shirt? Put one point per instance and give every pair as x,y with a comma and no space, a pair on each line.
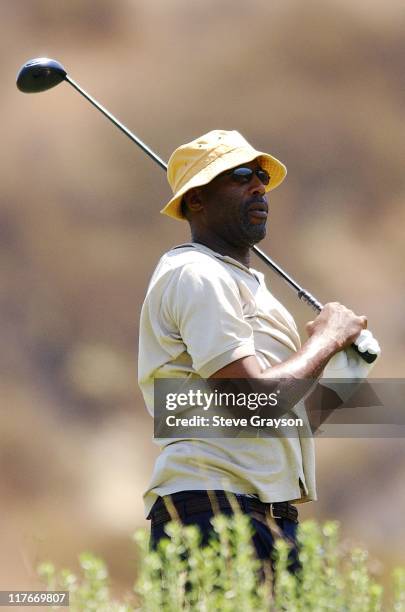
203,311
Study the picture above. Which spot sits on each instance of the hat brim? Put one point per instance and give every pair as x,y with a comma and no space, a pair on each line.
274,167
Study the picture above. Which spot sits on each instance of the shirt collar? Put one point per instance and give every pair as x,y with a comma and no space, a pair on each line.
226,258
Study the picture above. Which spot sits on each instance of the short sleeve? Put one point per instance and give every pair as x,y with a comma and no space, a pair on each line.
206,307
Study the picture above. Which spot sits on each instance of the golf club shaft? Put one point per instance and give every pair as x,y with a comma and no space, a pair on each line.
303,295
115,121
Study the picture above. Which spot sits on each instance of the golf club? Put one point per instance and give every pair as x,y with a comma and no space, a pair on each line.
41,74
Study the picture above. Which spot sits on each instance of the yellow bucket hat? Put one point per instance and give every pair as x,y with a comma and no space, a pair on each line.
198,162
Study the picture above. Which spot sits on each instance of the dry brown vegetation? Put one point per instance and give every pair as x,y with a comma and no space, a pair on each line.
319,85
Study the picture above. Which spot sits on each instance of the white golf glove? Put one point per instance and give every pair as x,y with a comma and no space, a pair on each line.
366,342
349,364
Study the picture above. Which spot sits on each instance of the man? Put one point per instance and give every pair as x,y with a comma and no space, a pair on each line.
208,314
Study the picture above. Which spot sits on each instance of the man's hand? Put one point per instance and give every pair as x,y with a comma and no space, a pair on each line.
334,329
338,325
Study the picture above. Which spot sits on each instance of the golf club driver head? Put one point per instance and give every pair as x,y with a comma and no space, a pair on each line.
40,74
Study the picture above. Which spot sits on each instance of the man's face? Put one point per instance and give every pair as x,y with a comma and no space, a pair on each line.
236,211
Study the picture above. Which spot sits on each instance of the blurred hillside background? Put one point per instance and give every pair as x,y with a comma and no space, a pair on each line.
317,83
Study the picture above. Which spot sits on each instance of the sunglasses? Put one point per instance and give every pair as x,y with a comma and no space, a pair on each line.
243,175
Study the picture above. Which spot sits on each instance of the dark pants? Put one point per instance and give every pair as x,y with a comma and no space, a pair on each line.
263,538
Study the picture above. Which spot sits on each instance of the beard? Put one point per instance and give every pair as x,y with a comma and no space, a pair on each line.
252,232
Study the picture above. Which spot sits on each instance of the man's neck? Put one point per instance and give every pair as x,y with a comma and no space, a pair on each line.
215,243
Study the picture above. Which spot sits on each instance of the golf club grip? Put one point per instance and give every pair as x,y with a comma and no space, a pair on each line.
368,357
306,296
309,299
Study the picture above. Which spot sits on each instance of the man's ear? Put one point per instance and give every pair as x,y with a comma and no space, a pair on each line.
193,200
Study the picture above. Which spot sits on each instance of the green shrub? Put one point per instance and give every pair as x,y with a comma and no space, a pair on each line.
225,576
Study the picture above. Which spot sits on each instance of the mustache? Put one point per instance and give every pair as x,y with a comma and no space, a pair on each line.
257,203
